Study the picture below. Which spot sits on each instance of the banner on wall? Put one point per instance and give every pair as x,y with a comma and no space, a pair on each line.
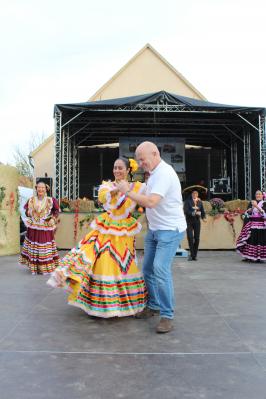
172,150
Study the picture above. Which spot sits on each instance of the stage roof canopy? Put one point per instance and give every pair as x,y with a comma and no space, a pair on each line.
238,131
156,114
152,98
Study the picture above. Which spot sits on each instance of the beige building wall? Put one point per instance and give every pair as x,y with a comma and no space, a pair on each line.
9,213
43,158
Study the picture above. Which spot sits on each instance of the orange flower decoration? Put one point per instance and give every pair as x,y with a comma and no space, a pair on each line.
133,165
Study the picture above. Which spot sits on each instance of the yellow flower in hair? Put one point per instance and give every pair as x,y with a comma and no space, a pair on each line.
133,165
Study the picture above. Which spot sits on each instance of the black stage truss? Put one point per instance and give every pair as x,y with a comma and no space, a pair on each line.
238,130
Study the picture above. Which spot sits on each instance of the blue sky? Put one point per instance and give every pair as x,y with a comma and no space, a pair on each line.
63,51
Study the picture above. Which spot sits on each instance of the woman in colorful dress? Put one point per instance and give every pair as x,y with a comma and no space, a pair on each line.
39,250
101,272
251,243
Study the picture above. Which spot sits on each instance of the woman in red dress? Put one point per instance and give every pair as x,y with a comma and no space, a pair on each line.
39,250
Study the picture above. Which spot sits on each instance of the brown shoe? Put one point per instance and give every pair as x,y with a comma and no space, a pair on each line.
165,326
147,313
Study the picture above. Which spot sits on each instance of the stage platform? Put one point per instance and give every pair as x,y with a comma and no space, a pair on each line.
50,350
216,232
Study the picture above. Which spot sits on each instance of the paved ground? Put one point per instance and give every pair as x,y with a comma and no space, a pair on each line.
217,350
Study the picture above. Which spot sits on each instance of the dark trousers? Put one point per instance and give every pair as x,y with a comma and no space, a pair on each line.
193,235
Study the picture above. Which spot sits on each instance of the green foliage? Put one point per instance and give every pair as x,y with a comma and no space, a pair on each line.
17,202
136,214
214,211
87,220
217,206
64,204
2,195
3,221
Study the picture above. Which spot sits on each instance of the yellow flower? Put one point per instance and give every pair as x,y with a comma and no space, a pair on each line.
133,165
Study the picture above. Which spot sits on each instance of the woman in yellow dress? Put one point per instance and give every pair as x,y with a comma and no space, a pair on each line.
101,272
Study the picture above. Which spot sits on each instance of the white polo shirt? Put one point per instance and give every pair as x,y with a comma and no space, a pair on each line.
168,214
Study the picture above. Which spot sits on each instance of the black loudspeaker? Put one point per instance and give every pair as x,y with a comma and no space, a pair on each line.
48,181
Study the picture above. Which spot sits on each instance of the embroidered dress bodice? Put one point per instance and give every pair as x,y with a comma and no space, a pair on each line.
256,213
40,213
117,219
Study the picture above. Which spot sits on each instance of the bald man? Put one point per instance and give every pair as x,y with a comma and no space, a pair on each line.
166,228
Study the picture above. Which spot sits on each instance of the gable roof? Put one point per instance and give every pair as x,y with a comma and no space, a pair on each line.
146,48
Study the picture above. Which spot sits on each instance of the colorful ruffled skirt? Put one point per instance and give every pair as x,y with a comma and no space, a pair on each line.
251,243
39,252
103,277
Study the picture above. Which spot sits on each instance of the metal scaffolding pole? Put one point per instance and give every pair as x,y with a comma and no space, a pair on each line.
57,158
224,167
76,172
71,145
262,152
247,164
234,170
65,162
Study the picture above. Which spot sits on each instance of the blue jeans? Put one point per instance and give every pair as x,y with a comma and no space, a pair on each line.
159,250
